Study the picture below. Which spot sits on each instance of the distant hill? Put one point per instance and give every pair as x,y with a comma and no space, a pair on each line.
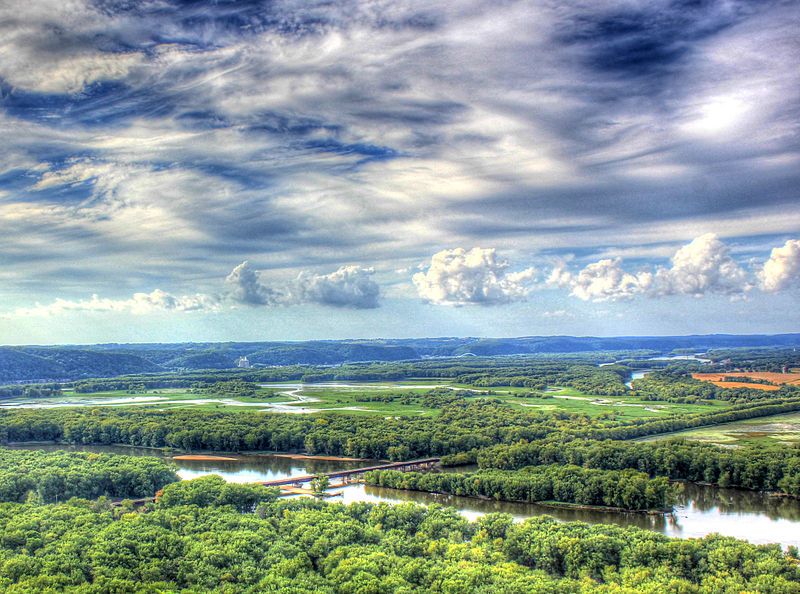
39,363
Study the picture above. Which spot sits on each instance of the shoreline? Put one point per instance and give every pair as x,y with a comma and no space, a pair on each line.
316,457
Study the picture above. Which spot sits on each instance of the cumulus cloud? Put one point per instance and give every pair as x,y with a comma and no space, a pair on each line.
703,266
347,287
477,276
245,287
782,270
606,280
350,286
139,303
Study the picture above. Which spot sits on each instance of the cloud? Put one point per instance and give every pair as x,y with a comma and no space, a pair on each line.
48,47
350,287
704,266
246,288
139,303
347,287
782,270
312,135
477,276
606,280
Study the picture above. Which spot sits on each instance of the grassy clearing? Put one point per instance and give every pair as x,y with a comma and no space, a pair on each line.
366,398
569,400
782,429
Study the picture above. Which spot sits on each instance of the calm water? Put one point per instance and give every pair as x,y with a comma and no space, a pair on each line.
701,510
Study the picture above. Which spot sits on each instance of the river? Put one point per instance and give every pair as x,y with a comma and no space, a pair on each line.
701,510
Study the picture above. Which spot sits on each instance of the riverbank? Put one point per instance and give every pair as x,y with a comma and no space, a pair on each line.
204,457
603,508
316,457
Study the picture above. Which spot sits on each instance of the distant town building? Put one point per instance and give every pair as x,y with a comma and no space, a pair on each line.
243,362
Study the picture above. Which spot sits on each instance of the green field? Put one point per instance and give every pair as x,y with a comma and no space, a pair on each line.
569,400
783,429
402,398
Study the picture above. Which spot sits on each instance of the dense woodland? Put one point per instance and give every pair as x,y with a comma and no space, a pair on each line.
461,427
58,476
675,384
30,391
304,546
774,468
627,489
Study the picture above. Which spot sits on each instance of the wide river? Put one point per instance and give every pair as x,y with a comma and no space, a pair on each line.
701,510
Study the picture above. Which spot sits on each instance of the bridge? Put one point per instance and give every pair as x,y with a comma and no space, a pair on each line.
347,476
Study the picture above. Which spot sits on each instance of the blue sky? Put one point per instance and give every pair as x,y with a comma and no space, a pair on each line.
291,170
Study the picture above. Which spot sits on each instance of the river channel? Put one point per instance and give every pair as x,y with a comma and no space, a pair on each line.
701,510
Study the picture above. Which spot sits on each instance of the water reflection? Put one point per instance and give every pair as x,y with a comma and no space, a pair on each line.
700,510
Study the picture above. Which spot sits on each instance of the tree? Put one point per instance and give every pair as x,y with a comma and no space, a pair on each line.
320,484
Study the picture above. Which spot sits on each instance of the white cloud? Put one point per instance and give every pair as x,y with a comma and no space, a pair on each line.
350,286
606,280
703,266
44,47
559,276
139,303
782,270
347,287
461,277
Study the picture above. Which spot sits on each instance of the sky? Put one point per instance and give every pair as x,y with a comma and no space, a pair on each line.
176,171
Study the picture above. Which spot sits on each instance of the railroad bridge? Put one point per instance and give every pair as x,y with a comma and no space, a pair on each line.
347,476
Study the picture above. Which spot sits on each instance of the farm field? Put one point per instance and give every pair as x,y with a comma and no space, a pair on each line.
783,429
776,379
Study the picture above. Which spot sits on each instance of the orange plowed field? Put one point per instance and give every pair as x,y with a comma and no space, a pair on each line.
775,378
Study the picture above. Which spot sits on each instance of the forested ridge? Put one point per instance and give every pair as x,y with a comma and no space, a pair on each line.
628,489
579,372
304,546
26,363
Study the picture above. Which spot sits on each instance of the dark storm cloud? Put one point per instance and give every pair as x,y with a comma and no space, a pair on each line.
649,38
